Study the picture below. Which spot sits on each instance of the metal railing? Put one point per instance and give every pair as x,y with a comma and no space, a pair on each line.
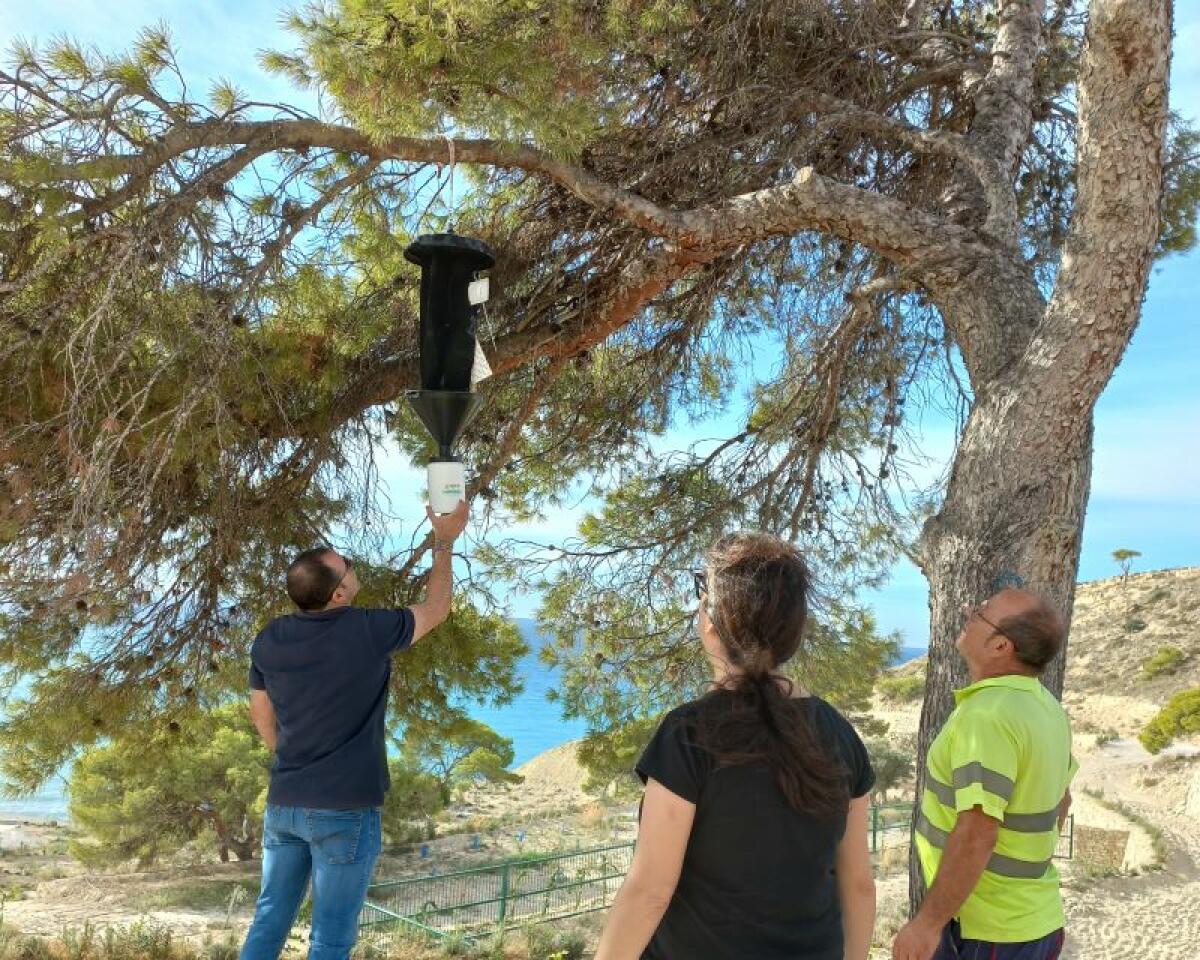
890,825
479,901
1066,838
513,893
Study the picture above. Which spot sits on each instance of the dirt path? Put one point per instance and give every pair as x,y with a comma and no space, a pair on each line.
103,900
1155,916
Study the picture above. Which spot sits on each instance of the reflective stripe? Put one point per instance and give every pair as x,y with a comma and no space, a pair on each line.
992,781
943,791
998,863
1032,822
935,835
1021,869
1019,822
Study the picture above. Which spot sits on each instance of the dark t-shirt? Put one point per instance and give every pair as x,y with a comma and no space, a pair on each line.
327,676
758,877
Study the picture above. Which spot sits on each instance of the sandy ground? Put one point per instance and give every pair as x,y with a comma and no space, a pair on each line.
1155,914
16,835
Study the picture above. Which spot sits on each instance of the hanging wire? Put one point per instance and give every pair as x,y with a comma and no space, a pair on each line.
450,185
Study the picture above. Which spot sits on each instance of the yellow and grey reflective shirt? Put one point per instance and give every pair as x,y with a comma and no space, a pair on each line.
1005,748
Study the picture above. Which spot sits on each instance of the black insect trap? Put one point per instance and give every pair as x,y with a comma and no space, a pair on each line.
451,360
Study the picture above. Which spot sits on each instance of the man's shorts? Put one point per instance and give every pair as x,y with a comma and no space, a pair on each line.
954,947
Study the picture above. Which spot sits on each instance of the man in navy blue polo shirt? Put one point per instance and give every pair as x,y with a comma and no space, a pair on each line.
318,696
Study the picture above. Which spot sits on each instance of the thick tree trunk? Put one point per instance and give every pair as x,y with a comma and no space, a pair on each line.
1017,495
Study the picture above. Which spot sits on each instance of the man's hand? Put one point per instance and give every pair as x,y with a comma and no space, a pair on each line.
439,586
967,850
918,940
448,526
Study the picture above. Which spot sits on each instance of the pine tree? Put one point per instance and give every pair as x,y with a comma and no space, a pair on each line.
815,225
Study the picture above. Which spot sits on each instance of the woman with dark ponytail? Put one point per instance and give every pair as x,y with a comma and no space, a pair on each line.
753,838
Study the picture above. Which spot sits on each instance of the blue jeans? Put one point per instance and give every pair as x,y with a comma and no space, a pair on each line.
954,947
339,849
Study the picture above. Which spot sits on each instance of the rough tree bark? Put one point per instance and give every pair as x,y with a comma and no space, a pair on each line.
1018,491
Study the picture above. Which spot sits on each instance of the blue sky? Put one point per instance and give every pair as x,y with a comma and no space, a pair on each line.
1146,478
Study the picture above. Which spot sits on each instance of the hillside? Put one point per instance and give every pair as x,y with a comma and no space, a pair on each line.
1117,629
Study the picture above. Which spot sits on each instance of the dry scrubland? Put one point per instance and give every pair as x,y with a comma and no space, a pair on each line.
1118,675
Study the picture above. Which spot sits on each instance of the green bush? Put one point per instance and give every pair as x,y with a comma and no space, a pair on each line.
141,941
570,945
224,950
1107,736
542,943
902,689
1180,717
1164,663
139,796
892,767
457,945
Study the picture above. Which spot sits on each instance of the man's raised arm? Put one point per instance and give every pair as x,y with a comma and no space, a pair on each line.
440,585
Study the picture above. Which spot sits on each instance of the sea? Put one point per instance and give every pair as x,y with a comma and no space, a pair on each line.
531,721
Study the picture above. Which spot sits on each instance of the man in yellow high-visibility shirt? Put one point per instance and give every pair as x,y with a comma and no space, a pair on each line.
996,795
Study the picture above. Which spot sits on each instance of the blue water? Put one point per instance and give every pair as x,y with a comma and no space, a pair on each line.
531,721
49,805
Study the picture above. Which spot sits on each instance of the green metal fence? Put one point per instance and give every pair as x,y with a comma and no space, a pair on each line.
1066,840
514,893
889,825
481,900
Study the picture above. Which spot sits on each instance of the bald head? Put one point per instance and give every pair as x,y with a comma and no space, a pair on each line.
312,578
1035,627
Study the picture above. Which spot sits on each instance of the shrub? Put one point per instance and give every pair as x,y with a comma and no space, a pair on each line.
141,941
1181,716
892,767
901,689
570,945
1164,663
1107,736
542,943
538,942
224,950
457,945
